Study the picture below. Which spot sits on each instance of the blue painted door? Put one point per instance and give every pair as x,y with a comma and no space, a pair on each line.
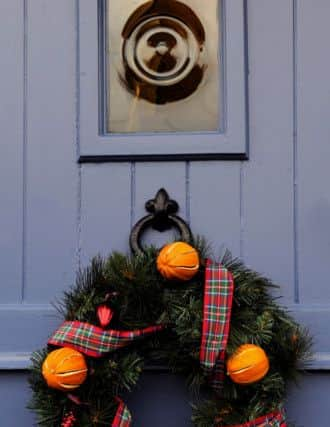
272,210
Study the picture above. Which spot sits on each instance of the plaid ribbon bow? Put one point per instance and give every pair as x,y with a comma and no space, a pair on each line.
123,416
94,341
275,419
218,298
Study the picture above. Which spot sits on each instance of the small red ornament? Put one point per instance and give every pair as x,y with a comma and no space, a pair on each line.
104,314
69,420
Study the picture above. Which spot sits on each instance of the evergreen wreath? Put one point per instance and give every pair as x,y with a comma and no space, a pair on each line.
177,308
139,296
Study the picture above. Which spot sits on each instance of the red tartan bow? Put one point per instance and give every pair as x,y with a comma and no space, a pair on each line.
218,298
94,341
275,419
123,416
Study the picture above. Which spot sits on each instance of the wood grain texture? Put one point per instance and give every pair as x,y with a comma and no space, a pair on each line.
51,173
11,148
313,132
105,209
268,196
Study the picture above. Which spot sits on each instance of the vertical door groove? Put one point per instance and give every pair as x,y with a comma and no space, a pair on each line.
25,142
295,153
12,41
133,194
241,211
188,193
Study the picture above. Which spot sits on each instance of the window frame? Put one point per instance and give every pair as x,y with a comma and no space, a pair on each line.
95,145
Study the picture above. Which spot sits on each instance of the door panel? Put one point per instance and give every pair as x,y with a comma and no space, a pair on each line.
11,149
214,198
105,212
51,180
171,408
55,214
313,131
14,394
268,187
42,259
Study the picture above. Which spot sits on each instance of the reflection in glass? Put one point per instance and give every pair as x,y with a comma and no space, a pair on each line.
162,65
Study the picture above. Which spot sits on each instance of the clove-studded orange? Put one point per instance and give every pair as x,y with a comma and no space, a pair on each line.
64,369
178,260
248,364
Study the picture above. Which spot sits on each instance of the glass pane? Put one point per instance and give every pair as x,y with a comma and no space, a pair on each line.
163,67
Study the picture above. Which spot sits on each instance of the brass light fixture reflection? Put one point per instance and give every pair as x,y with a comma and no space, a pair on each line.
163,52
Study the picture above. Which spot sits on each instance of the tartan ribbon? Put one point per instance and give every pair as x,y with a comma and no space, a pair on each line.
274,419
218,298
94,341
123,417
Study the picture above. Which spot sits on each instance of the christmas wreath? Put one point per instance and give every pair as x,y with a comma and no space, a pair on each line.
215,323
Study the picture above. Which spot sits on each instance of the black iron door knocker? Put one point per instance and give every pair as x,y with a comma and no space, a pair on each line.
162,216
